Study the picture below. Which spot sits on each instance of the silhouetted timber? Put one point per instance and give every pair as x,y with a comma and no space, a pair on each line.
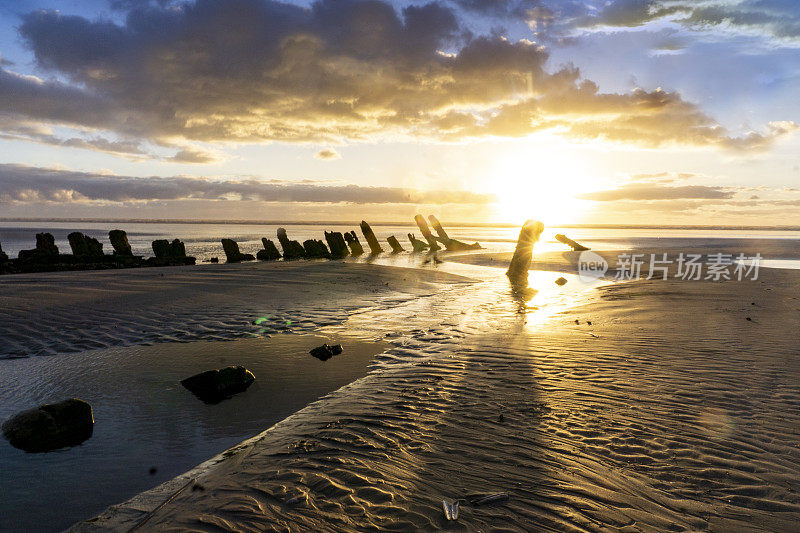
3,256
270,251
452,245
46,250
352,241
213,386
232,253
336,244
291,249
85,247
417,244
50,426
119,241
426,232
316,249
569,242
374,245
521,261
170,253
395,244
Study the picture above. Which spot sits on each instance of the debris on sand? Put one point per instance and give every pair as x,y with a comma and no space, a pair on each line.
213,386
450,509
561,281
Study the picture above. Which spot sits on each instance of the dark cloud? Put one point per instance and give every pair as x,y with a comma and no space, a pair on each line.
24,184
260,70
327,154
648,192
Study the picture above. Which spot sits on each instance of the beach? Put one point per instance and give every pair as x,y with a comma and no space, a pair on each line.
649,405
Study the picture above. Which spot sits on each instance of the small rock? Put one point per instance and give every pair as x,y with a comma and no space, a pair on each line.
561,282
325,352
50,426
589,322
577,321
213,386
749,319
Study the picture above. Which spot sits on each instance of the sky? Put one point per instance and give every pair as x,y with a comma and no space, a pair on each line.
657,112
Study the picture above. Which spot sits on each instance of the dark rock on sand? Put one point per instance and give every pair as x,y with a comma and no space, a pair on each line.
50,426
291,249
270,251
374,245
325,352
352,241
316,249
119,240
336,244
85,247
417,244
395,244
213,386
561,281
232,253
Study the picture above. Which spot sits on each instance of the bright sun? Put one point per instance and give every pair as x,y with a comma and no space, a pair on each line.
539,185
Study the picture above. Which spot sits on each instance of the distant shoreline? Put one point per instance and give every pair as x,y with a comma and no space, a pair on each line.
392,223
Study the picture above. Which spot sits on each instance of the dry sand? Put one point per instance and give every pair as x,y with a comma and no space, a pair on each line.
670,412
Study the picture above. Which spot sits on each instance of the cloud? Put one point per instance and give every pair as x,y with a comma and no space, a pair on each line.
327,154
26,184
340,70
778,20
194,156
649,192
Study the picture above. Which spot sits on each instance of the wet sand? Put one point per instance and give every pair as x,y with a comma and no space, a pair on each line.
670,412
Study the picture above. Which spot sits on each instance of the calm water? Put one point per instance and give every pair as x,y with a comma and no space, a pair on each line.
203,240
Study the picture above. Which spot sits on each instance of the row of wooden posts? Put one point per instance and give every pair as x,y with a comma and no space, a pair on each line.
340,245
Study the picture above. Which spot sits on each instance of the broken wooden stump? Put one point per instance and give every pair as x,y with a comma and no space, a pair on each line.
416,244
232,253
119,241
352,241
170,253
291,249
521,261
269,252
395,244
336,244
3,256
452,245
569,242
85,247
426,232
46,250
316,249
374,245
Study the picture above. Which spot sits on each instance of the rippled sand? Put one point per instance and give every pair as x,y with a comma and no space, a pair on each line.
670,412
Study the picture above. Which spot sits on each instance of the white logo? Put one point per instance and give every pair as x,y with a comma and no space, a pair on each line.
591,266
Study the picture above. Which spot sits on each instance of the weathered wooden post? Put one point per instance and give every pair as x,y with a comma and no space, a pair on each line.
270,251
291,249
395,244
119,241
417,244
352,241
521,261
374,245
426,232
336,244
569,242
